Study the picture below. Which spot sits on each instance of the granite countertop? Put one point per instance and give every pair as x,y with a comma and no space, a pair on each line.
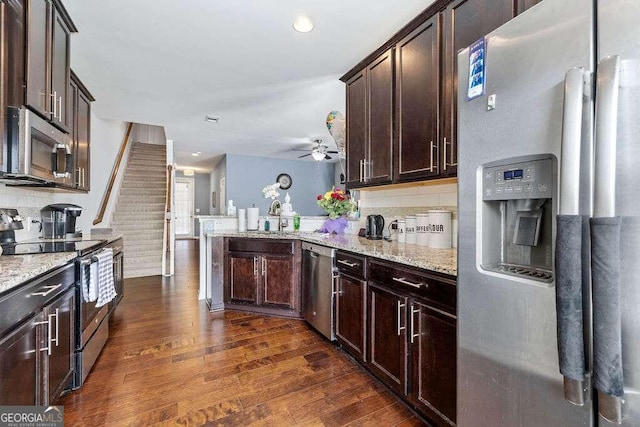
17,269
438,260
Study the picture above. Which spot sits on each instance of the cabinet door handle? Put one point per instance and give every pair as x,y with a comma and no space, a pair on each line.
451,163
264,266
50,288
50,338
367,172
255,265
432,165
347,263
413,334
60,109
400,306
57,325
406,282
44,103
444,157
361,171
55,104
334,285
48,323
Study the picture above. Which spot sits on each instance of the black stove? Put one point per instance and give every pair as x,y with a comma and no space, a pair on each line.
81,247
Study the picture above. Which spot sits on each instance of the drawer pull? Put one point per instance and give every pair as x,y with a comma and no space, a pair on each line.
347,263
406,282
50,288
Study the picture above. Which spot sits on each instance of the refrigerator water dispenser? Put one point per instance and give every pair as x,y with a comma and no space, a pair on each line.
516,211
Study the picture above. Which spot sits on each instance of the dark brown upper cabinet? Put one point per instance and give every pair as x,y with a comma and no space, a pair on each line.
356,128
424,70
465,21
12,77
48,61
418,83
370,132
80,117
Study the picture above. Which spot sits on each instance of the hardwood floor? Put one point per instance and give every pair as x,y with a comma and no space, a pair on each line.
169,361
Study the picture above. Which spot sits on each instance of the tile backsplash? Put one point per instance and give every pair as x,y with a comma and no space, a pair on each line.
396,202
28,202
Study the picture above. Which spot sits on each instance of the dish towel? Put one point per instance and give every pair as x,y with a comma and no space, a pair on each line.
106,286
90,282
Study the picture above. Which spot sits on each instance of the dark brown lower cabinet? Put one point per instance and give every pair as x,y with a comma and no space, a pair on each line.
433,356
264,275
20,365
243,279
388,337
37,352
59,342
411,333
350,320
278,278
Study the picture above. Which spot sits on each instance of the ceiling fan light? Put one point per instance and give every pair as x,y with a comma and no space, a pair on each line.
317,156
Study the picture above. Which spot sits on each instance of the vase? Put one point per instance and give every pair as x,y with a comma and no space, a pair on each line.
334,226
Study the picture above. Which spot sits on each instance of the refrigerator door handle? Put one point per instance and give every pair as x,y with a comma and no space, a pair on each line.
606,124
571,142
604,202
572,358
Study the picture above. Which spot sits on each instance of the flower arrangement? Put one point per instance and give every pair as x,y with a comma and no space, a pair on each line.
336,203
271,191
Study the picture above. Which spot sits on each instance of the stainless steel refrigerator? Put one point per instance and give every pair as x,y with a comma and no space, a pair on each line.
549,219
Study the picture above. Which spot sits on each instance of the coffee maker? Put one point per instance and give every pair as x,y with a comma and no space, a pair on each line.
375,226
59,221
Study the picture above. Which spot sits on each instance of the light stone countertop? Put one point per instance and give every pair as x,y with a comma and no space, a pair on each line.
438,260
17,269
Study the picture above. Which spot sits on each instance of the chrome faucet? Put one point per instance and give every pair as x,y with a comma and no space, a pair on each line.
282,223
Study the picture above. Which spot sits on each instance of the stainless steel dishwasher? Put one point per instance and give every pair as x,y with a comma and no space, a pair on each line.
318,270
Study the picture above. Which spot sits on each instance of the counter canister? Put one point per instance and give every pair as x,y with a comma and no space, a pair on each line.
402,225
410,229
440,228
422,229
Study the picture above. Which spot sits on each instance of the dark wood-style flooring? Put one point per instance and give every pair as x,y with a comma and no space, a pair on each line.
170,361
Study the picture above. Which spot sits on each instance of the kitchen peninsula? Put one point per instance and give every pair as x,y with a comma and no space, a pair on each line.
393,309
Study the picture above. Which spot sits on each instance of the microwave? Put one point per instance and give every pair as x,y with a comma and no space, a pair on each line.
35,152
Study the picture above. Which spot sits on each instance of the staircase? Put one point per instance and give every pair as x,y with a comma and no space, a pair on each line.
139,211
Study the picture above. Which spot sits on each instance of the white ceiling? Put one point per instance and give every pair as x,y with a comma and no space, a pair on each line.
170,63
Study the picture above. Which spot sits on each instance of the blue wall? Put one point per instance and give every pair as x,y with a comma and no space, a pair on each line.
246,176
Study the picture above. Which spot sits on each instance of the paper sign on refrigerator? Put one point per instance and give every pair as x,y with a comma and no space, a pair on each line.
476,70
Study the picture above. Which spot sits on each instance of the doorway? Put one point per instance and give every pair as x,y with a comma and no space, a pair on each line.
184,203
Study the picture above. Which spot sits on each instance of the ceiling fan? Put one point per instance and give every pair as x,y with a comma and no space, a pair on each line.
319,151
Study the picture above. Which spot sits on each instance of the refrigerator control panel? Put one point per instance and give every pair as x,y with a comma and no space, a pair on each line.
523,180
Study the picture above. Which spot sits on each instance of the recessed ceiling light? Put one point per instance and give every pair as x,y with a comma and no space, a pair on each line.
211,119
196,154
303,24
